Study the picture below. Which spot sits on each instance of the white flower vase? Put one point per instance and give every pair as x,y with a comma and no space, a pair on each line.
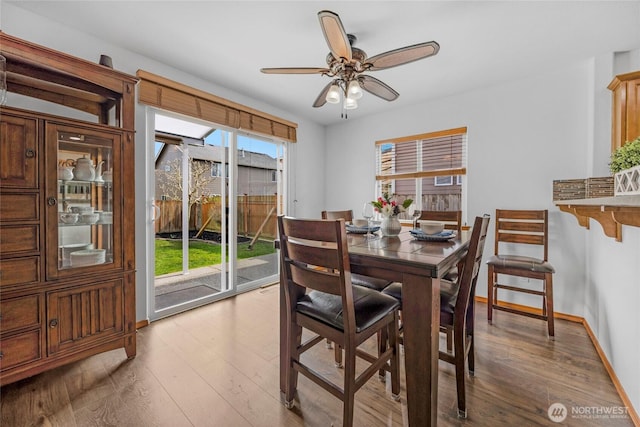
627,182
390,226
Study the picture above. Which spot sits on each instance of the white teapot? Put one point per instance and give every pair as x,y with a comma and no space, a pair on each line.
84,170
99,172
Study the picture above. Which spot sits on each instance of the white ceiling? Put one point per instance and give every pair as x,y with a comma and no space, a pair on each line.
481,42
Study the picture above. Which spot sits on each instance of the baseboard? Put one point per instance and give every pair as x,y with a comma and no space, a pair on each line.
623,395
605,362
142,323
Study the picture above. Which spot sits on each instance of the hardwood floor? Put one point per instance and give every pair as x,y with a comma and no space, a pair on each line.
218,366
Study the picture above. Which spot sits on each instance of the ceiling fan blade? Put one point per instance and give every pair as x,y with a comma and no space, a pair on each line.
322,97
335,35
378,88
295,70
403,55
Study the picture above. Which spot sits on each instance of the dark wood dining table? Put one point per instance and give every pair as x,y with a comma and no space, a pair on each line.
418,265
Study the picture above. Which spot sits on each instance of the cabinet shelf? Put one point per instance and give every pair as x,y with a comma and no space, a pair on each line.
610,212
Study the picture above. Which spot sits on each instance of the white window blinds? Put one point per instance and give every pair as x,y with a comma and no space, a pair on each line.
426,168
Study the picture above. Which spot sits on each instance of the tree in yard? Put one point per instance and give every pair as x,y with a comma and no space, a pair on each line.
199,179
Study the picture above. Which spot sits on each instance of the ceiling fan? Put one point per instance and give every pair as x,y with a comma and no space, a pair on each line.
347,64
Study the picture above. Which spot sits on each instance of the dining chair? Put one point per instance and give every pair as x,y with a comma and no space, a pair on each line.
320,297
516,229
357,279
452,221
457,308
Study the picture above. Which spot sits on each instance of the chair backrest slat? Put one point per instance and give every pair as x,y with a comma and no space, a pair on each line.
522,226
321,256
521,238
315,278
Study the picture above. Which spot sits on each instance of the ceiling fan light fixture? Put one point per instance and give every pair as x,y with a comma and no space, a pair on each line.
354,91
333,96
350,104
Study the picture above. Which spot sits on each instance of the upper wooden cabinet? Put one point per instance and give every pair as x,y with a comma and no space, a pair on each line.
626,109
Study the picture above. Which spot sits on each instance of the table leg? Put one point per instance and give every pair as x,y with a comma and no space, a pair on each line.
283,342
421,323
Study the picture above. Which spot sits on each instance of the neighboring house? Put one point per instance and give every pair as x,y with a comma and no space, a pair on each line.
257,172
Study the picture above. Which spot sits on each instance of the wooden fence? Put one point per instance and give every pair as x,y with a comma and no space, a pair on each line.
252,212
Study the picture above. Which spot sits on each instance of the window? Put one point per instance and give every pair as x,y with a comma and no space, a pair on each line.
274,176
447,180
443,180
427,168
216,169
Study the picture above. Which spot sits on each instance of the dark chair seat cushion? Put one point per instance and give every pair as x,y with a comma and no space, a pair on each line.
370,306
369,282
448,294
522,263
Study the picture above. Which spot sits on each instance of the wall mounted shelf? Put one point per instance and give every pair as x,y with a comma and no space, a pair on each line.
610,212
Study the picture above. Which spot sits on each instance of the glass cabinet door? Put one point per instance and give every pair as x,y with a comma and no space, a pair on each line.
83,208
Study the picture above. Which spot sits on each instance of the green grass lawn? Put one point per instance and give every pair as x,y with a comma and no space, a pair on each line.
201,254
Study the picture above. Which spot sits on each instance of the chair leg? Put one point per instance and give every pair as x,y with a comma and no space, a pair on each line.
548,283
384,337
490,289
329,344
395,359
294,340
459,359
348,398
449,335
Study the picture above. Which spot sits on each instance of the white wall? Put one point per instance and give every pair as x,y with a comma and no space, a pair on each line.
308,153
522,135
518,141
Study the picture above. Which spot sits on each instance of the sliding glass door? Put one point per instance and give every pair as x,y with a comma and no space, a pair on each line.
215,198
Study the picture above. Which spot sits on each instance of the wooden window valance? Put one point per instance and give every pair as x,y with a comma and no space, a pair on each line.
173,96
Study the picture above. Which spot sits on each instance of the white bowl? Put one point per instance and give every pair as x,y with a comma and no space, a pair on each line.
360,222
431,227
68,217
89,218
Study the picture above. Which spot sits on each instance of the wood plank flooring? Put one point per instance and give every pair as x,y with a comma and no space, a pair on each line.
218,366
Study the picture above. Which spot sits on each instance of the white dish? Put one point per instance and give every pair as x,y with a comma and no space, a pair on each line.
67,250
360,222
88,257
362,230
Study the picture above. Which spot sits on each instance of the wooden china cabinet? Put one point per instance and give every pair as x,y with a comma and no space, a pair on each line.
67,266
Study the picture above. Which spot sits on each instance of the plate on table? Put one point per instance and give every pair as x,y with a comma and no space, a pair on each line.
443,236
361,230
